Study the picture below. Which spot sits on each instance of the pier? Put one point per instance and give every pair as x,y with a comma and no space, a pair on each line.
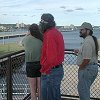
11,36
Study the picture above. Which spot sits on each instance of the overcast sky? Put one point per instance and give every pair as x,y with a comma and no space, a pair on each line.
66,12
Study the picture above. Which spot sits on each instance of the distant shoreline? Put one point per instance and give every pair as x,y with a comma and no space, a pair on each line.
11,36
67,30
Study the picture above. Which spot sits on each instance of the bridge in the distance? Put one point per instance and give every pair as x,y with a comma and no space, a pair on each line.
11,36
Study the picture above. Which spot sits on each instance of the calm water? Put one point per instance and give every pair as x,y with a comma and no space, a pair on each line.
71,39
10,40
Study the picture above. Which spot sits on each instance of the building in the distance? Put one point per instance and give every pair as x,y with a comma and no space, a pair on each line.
17,25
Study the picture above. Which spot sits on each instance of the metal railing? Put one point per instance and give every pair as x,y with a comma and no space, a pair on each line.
11,72
14,84
70,80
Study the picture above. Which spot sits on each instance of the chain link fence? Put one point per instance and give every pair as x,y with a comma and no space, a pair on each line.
70,80
14,84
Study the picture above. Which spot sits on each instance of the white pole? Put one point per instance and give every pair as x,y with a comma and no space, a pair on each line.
3,39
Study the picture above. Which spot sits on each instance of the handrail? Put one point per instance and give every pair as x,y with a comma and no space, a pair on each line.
11,54
9,73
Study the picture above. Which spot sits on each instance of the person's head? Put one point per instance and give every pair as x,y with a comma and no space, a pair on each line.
86,29
47,21
34,31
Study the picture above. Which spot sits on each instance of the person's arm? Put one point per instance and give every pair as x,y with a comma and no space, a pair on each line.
76,51
49,53
87,55
21,42
51,49
84,63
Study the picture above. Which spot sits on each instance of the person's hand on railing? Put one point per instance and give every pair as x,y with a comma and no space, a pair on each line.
76,51
99,63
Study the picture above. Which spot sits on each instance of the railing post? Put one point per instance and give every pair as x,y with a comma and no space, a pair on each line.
9,80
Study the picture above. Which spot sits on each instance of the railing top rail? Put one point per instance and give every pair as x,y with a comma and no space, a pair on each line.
17,52
11,54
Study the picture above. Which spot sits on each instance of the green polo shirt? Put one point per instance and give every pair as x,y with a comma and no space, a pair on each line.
32,48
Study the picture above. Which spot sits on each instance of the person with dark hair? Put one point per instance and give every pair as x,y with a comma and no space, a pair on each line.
32,43
51,60
87,61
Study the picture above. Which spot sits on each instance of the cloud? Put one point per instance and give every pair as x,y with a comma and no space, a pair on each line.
31,10
69,10
63,7
11,3
10,6
98,9
39,9
25,15
32,15
4,14
79,8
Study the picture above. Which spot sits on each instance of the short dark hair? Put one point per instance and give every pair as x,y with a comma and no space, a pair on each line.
34,31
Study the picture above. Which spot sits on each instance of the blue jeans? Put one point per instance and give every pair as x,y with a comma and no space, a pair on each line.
50,84
86,77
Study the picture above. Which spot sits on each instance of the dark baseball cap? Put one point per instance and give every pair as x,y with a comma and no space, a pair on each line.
47,17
